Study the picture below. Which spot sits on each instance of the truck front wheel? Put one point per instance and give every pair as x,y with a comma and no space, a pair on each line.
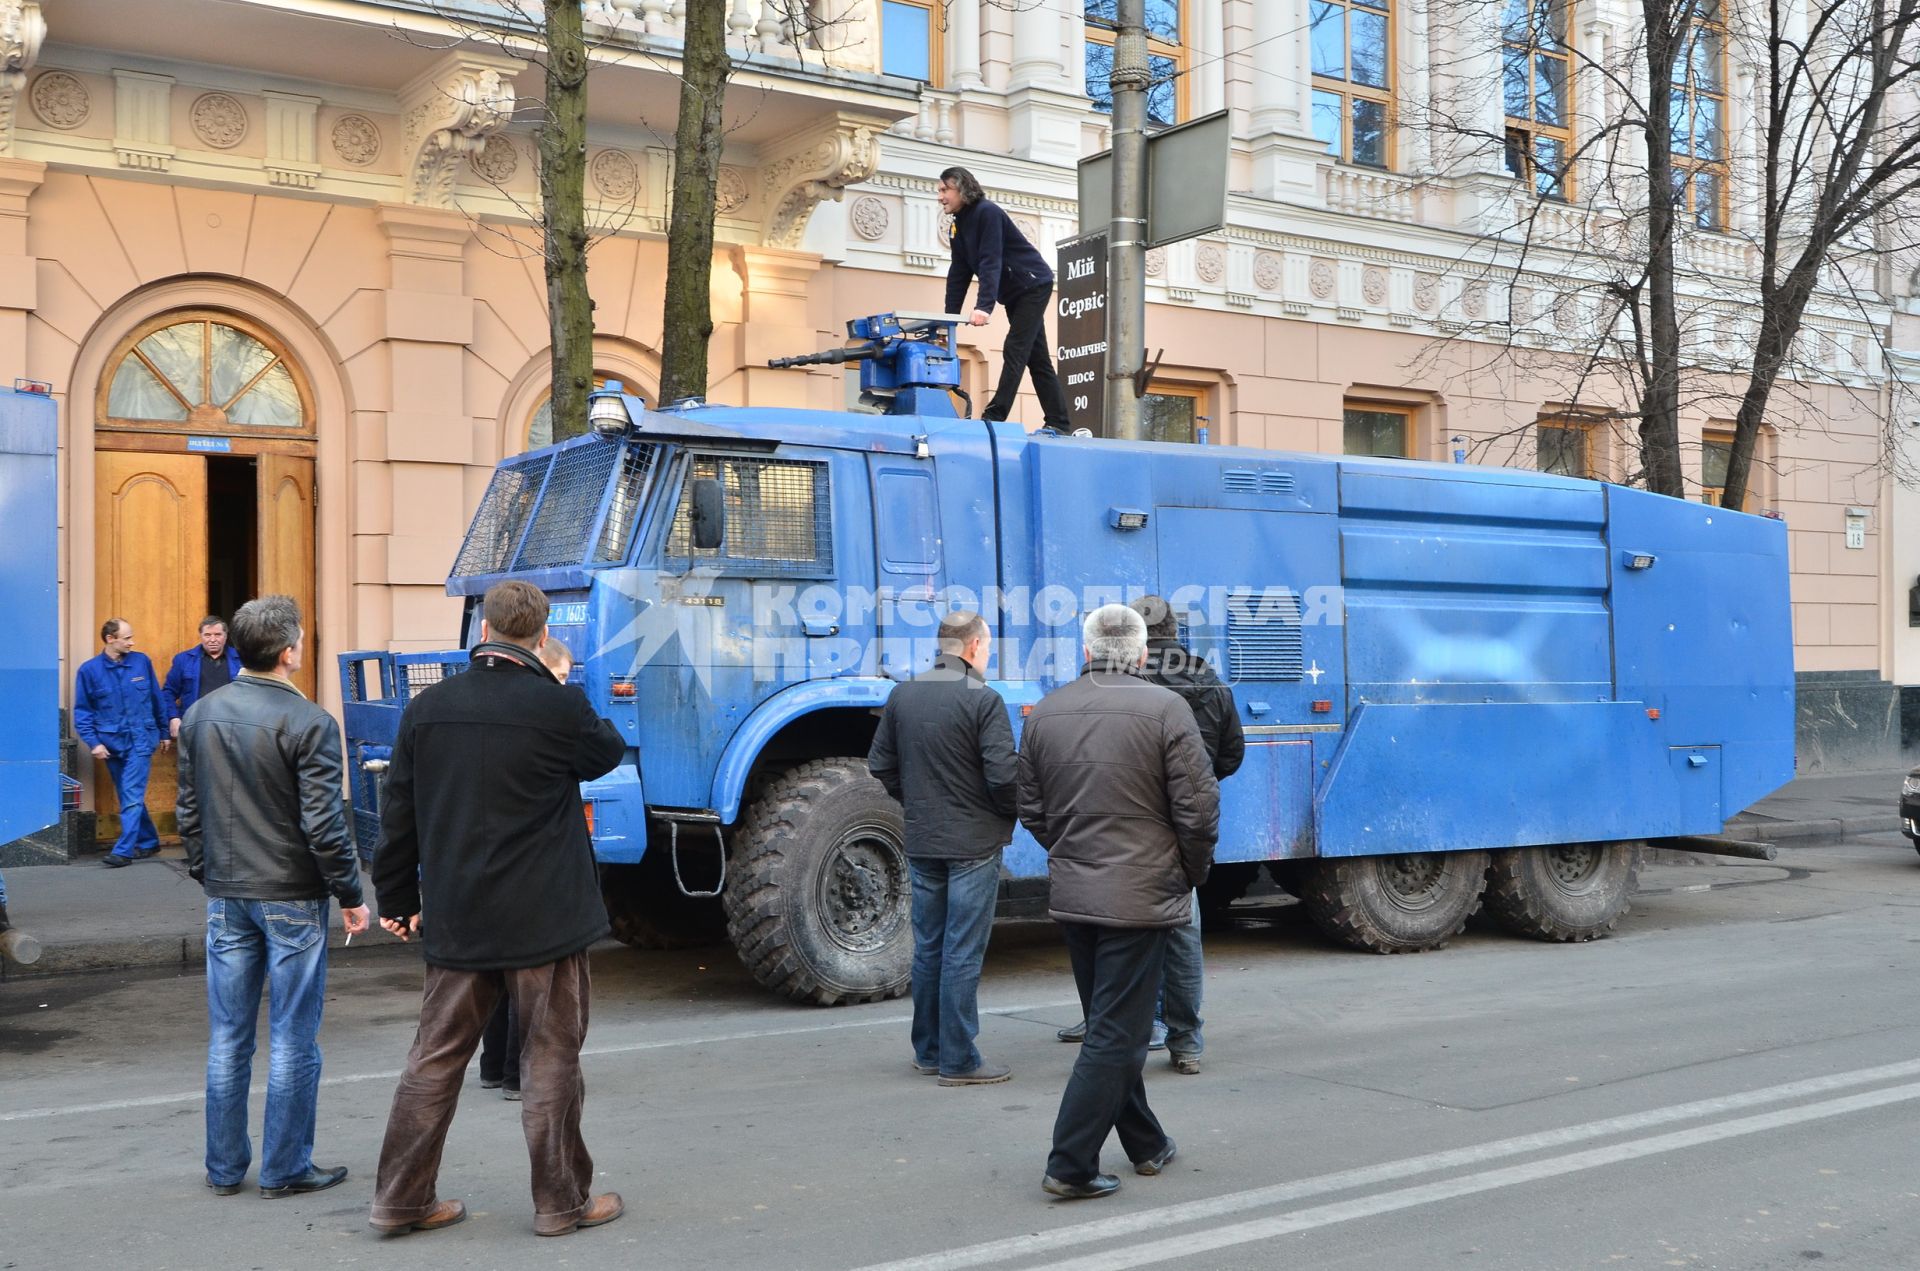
1394,904
1567,891
647,909
819,904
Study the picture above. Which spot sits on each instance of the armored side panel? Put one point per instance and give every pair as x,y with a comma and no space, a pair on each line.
29,632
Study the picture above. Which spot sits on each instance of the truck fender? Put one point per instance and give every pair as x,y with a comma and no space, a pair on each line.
736,762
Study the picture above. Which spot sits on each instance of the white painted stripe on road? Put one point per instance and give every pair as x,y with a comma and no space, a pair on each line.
627,1048
1471,1184
1038,1243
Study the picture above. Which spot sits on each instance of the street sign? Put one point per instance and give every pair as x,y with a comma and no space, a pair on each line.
1080,273
1186,182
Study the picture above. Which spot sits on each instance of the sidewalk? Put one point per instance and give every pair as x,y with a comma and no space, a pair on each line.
151,914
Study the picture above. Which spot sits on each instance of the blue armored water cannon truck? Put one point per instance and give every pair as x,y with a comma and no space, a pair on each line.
1460,685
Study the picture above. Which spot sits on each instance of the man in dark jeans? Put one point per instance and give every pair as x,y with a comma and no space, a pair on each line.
987,245
1115,784
944,749
484,841
266,837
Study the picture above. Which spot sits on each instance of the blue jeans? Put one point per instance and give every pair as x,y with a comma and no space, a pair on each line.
952,918
129,768
284,944
1180,988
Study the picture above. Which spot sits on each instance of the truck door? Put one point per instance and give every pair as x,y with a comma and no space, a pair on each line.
1260,589
910,568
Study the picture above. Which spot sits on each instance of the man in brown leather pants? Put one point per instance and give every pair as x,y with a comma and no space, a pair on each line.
484,852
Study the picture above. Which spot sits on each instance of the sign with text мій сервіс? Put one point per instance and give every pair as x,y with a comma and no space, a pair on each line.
1080,273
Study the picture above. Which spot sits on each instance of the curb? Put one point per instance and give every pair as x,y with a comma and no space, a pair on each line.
182,953
1827,828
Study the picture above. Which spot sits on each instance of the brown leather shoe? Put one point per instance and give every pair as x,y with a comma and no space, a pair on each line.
601,1209
444,1213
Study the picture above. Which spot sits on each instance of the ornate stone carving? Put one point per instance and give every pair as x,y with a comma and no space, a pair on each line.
451,112
496,161
1474,299
1267,272
615,175
818,164
1373,285
61,100
218,119
1210,263
943,231
869,218
729,192
1426,292
356,140
1566,311
22,31
1520,306
1156,262
1320,278
1028,227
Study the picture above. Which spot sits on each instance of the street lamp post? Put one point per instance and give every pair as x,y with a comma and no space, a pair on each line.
1127,246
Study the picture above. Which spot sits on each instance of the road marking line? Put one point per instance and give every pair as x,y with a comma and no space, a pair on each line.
1026,1246
628,1048
1450,1189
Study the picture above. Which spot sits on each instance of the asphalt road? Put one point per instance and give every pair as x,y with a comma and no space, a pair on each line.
1732,1081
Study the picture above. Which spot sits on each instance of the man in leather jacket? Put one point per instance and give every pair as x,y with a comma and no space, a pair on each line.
266,837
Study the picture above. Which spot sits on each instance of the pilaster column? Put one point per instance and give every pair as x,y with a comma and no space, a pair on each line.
774,323
22,31
963,45
1209,42
1286,158
19,270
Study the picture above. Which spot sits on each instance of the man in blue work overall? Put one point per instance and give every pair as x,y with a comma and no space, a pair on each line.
119,715
196,672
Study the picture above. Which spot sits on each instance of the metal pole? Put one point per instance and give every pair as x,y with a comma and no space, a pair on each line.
1126,241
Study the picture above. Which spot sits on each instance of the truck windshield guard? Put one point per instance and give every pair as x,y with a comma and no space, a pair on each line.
574,504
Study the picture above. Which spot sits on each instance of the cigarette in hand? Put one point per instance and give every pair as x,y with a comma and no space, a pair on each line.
349,940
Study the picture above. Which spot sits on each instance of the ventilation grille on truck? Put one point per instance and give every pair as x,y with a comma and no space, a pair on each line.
1263,636
1256,481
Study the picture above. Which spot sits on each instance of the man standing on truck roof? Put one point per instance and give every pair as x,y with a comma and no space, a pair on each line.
1115,784
484,852
989,246
944,749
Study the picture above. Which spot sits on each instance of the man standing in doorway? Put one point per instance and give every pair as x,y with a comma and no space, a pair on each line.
987,245
944,749
484,852
198,671
120,717
266,837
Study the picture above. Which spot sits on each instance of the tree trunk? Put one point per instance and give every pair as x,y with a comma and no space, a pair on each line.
688,324
563,174
1660,394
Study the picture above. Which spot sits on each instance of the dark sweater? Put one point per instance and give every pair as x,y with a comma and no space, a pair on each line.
988,245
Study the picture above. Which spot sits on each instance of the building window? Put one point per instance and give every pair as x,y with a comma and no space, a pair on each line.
1536,83
1166,58
1353,79
1716,453
1173,412
1564,447
1699,117
910,39
1384,431
540,427
204,372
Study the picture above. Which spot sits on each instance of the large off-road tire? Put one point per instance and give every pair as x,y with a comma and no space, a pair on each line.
1226,882
1395,904
647,909
1569,891
818,904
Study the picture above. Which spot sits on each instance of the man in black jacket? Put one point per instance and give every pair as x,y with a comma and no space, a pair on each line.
989,246
484,852
944,749
266,836
1115,784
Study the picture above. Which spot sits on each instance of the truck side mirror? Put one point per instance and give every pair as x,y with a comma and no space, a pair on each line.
709,513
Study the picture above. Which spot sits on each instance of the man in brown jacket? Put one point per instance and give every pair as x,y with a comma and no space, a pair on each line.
1116,785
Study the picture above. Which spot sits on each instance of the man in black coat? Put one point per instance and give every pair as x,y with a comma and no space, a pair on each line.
1115,784
987,245
944,749
484,853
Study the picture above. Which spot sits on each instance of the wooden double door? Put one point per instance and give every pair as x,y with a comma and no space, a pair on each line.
180,536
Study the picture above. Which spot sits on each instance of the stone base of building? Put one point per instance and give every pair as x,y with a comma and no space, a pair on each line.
1854,719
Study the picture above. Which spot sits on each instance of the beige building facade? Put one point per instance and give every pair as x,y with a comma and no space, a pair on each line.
278,263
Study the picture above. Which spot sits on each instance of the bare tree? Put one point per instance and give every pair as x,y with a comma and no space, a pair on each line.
563,183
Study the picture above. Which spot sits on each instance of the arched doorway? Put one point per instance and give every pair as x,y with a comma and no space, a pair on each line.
204,445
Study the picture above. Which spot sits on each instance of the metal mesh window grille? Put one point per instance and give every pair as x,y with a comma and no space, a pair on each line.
779,517
1264,640
503,513
623,509
570,507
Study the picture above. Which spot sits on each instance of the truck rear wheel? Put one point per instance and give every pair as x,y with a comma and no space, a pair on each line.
1226,882
1395,904
819,903
1568,891
647,909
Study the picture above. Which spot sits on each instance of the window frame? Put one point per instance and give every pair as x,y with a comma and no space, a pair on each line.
1585,427
1709,17
936,45
1712,494
600,380
1529,129
306,430
1199,394
1347,90
1099,31
1406,410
